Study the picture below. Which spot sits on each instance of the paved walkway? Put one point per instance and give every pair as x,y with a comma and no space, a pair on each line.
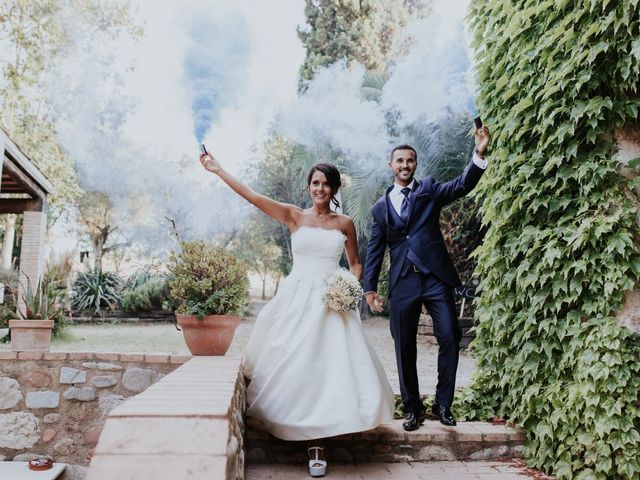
477,470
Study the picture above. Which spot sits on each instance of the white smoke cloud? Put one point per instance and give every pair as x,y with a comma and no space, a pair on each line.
148,164
148,185
145,155
333,111
428,82
434,75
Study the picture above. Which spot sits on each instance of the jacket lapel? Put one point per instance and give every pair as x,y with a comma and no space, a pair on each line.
384,205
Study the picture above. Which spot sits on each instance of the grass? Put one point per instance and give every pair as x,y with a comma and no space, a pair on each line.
118,338
124,338
140,337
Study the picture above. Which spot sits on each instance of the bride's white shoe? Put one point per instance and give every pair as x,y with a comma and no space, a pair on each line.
317,467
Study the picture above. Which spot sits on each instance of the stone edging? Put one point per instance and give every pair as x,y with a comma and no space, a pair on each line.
101,356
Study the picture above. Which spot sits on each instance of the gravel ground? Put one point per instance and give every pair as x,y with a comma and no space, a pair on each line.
165,338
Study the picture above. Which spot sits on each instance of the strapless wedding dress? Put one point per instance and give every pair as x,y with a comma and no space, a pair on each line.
313,373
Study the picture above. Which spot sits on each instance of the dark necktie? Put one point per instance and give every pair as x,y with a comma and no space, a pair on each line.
404,208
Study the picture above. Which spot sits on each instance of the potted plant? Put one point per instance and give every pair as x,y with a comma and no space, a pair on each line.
37,316
209,288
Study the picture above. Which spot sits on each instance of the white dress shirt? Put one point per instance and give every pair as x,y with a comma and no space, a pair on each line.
396,196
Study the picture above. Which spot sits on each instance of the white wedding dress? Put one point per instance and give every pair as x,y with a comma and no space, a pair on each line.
313,373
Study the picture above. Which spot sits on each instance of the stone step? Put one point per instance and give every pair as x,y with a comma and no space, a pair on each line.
390,443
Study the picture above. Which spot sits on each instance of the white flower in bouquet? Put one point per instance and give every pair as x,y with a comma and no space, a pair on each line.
343,291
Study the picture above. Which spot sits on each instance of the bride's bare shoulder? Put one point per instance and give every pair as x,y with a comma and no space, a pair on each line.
345,223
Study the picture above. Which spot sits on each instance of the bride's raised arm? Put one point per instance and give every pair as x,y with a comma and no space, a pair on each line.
281,212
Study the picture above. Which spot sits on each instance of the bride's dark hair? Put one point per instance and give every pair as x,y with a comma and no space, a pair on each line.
333,177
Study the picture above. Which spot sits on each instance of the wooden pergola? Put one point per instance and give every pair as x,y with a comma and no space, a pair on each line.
24,190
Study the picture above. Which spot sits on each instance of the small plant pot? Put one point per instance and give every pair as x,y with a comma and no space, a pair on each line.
210,335
30,335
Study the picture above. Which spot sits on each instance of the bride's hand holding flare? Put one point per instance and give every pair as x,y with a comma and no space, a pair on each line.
281,212
210,163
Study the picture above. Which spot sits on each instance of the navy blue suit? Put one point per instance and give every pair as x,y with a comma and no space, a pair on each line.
421,272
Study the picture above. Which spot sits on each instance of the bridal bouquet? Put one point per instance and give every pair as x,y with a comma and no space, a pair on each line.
342,292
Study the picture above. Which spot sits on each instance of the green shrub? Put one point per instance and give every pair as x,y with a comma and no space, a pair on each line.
207,281
97,291
138,279
147,296
557,78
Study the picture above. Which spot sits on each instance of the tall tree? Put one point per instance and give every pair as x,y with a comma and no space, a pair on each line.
35,36
257,247
363,31
278,176
99,221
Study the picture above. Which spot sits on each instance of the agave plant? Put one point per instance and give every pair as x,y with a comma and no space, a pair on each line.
36,304
39,303
96,290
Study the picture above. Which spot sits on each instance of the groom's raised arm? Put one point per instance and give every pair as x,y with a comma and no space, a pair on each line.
447,192
375,255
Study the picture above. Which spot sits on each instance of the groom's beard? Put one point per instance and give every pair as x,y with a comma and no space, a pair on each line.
405,179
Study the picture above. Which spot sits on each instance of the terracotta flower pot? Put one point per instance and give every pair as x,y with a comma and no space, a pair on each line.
30,335
210,335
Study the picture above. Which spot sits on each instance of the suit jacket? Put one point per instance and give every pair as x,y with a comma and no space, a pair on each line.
421,232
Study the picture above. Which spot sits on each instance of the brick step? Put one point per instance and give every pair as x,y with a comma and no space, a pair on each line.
390,443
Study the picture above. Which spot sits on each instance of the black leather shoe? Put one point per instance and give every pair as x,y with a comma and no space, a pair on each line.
412,421
444,415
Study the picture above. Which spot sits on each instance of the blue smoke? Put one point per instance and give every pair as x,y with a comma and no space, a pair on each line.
215,66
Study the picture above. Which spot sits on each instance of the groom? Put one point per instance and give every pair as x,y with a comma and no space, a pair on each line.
406,219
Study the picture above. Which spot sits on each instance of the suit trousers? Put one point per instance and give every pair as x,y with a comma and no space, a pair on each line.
405,303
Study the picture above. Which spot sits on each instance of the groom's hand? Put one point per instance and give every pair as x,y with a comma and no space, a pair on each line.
483,138
374,302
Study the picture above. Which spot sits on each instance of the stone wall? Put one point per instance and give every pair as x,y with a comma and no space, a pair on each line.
189,425
628,140
55,403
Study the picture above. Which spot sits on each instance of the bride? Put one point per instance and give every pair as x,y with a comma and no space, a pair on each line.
312,371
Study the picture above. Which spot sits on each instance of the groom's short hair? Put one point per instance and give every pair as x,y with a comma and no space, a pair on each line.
404,146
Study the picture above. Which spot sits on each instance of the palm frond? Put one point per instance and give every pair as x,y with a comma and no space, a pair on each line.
372,85
365,188
444,147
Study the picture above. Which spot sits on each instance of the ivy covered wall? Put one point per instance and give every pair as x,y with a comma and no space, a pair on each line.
557,78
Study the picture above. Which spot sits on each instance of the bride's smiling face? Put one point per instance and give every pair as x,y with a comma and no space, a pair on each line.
319,188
